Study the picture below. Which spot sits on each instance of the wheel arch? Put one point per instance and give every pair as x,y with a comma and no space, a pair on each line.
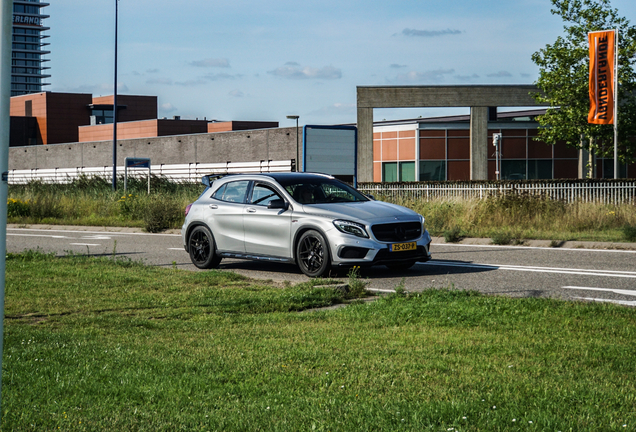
191,227
302,231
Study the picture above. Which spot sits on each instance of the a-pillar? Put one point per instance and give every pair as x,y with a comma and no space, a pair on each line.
479,143
365,144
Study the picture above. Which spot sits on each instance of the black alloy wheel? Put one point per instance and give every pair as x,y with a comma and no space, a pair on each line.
312,254
202,249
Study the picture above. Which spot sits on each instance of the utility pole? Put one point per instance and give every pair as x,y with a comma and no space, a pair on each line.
6,13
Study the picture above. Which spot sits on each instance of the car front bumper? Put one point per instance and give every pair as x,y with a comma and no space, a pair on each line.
347,250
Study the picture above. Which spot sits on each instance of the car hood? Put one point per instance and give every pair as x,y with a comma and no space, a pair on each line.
366,211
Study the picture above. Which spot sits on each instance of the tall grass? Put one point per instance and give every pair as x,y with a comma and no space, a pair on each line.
91,201
523,216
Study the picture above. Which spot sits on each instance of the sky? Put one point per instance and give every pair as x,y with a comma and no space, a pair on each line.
263,60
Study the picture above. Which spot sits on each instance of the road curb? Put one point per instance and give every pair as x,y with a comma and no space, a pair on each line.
549,244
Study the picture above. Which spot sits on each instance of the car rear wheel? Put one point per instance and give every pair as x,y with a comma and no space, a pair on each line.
312,254
202,248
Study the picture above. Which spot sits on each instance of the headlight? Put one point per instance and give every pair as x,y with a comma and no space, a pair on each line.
349,227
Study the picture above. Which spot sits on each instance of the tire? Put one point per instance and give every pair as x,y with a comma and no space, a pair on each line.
401,266
312,254
202,248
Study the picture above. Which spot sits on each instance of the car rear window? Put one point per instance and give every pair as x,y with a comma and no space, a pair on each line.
232,192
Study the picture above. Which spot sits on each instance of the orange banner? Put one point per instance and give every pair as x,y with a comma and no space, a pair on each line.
601,77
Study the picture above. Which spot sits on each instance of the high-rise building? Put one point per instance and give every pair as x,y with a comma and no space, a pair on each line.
27,70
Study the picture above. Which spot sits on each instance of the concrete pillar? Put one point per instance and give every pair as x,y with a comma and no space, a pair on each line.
365,145
479,143
584,160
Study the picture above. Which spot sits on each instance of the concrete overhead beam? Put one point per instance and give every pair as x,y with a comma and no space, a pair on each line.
473,96
446,96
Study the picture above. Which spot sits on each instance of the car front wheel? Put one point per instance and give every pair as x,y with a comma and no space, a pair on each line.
312,254
202,248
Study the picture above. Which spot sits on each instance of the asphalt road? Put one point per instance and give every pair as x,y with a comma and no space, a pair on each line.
519,271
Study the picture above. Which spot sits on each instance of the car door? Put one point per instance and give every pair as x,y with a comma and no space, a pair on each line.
267,231
225,216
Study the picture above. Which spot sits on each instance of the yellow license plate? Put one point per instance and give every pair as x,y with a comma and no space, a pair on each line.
399,247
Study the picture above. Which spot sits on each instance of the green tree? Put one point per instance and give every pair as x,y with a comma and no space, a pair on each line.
563,79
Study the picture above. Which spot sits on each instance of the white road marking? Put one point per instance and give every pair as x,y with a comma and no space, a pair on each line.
91,232
581,272
616,291
84,244
620,302
180,249
96,237
535,247
37,235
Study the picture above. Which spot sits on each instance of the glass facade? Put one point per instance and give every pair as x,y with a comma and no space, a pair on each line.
27,61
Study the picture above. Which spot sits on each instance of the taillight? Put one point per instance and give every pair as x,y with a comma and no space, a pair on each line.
187,209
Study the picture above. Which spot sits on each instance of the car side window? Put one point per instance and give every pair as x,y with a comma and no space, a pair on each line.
232,192
263,194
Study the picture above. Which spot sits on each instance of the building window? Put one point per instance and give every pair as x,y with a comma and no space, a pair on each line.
407,171
539,169
102,116
432,170
389,172
513,169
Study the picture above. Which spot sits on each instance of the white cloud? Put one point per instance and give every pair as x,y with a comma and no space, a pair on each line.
236,93
466,77
211,62
500,74
422,77
429,33
167,107
222,76
295,71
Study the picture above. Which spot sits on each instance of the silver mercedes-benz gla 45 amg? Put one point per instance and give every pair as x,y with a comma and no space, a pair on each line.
313,220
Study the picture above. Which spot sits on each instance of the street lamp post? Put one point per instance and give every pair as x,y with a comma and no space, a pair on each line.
115,107
295,117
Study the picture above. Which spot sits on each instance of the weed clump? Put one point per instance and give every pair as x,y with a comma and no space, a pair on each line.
452,235
629,232
160,214
502,238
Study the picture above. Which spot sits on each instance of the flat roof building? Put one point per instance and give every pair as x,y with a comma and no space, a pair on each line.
27,61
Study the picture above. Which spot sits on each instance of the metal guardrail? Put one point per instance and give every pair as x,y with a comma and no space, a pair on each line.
600,191
191,172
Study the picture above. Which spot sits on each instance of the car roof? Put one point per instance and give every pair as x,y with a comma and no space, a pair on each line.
281,176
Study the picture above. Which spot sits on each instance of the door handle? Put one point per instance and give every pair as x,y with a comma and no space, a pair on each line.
213,206
251,210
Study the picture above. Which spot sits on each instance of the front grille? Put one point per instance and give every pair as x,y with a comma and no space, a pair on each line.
397,232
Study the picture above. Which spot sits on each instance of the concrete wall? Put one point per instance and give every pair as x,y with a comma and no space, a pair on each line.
240,146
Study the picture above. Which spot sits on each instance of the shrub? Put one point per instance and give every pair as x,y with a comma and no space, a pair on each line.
18,208
502,238
629,232
160,215
452,235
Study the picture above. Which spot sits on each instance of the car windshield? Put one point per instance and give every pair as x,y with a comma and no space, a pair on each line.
322,191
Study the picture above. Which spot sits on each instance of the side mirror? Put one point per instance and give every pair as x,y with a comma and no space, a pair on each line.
371,197
206,180
278,204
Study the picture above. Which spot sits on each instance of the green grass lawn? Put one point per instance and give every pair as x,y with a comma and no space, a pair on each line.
97,344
